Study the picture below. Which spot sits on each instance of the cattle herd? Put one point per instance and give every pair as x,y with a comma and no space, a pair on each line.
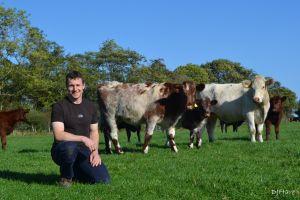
192,106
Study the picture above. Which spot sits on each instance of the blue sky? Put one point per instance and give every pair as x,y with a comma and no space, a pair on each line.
263,35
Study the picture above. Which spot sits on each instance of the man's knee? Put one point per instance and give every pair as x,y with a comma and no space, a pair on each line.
101,175
67,151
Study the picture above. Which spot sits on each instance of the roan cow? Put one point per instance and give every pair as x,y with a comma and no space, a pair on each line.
152,103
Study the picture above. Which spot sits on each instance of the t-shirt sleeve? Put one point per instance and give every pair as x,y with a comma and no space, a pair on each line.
95,118
57,114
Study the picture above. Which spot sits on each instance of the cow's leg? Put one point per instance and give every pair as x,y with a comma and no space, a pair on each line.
171,132
148,135
210,126
199,137
107,142
260,128
3,141
192,136
128,132
251,126
277,131
114,134
167,144
138,133
268,131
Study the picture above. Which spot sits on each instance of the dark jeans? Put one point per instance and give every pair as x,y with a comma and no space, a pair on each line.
74,162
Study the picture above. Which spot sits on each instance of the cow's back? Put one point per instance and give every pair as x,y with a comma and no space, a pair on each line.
233,100
128,101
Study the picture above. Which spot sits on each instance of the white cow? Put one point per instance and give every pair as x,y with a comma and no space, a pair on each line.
248,101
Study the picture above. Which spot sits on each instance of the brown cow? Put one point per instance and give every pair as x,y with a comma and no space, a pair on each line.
274,116
8,119
162,103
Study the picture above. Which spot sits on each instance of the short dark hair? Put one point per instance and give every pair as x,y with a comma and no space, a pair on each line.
73,75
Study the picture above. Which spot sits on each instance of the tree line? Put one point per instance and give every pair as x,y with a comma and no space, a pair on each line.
33,69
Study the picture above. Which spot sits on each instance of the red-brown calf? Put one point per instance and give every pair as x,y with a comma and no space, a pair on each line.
274,115
8,119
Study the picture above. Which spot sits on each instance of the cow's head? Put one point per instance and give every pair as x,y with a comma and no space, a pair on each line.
276,103
205,106
259,88
189,89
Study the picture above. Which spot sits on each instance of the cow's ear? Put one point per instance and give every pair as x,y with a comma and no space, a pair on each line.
283,98
200,87
214,102
269,82
246,83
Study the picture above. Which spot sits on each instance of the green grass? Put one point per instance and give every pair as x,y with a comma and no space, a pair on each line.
229,168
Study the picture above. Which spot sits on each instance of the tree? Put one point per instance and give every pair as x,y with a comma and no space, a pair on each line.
155,72
192,72
225,71
115,62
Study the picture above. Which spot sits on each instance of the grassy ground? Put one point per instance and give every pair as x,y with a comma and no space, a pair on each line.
230,168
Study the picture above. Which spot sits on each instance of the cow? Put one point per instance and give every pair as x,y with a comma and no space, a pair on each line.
195,119
246,101
152,103
121,125
8,119
234,125
274,115
130,128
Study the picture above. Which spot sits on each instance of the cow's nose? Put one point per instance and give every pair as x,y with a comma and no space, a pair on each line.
256,99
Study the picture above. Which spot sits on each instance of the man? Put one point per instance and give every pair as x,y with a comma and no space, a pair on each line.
75,126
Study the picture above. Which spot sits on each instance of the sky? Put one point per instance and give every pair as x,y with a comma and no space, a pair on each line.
263,35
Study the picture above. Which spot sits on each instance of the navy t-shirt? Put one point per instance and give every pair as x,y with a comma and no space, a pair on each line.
77,118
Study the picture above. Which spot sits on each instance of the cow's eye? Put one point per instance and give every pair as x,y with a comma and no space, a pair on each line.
263,87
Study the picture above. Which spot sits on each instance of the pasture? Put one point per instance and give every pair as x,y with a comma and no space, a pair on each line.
229,168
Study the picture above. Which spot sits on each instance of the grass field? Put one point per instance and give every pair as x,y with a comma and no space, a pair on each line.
229,168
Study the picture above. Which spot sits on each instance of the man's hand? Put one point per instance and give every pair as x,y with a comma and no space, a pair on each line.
95,159
89,143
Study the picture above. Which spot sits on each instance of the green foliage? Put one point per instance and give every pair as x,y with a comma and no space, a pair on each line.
225,71
192,72
155,72
230,168
115,62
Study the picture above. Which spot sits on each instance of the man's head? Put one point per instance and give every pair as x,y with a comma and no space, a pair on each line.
75,85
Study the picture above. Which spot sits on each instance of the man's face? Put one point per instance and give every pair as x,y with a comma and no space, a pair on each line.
75,87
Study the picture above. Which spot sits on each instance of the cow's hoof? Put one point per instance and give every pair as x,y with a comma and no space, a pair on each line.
260,139
167,144
145,151
108,151
119,151
191,145
174,148
199,144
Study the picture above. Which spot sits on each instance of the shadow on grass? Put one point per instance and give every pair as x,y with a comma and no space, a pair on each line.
236,138
29,177
33,151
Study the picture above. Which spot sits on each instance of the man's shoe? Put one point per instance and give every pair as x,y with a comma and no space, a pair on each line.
64,182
